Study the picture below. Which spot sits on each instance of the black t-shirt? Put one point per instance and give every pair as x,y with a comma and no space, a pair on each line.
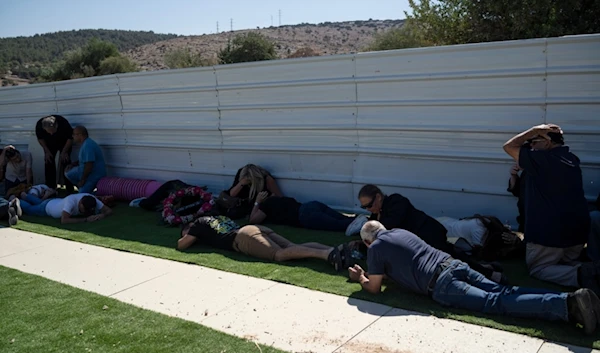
519,191
64,132
556,210
405,258
281,210
398,212
218,232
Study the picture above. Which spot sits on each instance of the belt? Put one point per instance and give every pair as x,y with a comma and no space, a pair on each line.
438,271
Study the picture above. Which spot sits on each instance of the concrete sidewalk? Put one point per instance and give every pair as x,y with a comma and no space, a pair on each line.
284,316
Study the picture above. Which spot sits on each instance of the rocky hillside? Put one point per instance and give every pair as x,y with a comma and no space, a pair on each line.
326,38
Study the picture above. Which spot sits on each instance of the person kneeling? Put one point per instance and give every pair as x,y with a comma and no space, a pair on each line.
66,208
415,265
255,241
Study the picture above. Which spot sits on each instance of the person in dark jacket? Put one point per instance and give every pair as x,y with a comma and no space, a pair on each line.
396,211
418,267
55,135
557,220
249,181
516,186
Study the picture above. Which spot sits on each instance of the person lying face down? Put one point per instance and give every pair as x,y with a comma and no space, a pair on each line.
256,241
413,264
67,209
310,215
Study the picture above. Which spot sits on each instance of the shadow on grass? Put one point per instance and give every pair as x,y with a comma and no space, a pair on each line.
138,231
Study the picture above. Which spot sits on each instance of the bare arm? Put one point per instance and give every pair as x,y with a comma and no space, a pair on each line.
185,242
66,218
106,211
370,283
257,216
513,146
236,189
273,187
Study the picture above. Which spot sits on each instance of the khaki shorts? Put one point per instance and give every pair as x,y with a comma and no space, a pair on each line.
257,241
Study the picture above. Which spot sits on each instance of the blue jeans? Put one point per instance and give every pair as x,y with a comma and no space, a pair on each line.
461,287
90,184
593,245
317,215
34,206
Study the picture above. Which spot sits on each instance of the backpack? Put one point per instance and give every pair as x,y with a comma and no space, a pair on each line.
499,243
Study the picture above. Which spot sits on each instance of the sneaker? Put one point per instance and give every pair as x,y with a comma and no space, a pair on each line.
12,217
580,305
356,225
16,204
589,277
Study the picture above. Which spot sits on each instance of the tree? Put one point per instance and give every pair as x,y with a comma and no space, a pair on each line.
471,21
95,59
406,36
248,47
116,65
182,58
304,52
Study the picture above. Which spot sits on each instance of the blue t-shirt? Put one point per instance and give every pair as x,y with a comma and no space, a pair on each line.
556,211
91,152
405,258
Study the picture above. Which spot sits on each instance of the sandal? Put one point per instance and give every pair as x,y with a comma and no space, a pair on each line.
335,259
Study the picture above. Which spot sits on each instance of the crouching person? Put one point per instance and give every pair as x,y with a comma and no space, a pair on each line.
256,241
412,263
67,209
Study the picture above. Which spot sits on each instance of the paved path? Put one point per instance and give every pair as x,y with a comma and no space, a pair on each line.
287,317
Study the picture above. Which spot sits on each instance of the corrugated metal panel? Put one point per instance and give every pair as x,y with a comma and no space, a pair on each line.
428,123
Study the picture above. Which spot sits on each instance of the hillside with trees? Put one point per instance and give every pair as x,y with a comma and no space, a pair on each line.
27,56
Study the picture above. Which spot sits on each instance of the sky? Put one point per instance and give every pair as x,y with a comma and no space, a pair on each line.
187,17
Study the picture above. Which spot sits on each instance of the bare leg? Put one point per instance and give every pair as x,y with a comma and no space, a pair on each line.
301,252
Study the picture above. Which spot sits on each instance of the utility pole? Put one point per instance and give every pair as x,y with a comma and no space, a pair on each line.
231,24
279,18
271,20
217,27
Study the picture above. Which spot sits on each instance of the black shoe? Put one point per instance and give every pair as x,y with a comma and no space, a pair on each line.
12,217
580,305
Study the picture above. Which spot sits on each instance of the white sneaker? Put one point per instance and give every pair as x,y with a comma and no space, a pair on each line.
356,225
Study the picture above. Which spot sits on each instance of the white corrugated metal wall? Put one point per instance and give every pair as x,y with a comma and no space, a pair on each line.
428,123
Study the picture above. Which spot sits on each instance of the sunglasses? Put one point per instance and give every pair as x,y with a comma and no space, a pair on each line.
369,205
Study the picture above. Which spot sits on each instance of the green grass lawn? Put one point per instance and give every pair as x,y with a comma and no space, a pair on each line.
139,231
39,315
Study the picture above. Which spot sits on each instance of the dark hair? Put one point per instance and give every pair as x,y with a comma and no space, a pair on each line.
83,130
556,137
89,205
369,190
10,153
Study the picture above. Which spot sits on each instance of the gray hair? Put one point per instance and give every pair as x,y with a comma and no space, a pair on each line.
48,122
370,230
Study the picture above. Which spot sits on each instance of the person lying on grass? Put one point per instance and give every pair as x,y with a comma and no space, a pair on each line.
310,215
415,265
67,209
257,241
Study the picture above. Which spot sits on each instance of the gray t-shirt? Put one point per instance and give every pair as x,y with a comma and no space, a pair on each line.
405,258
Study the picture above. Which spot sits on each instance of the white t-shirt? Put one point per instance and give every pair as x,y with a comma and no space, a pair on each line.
69,204
38,190
471,229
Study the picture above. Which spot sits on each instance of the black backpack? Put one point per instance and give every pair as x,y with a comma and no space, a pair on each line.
499,243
